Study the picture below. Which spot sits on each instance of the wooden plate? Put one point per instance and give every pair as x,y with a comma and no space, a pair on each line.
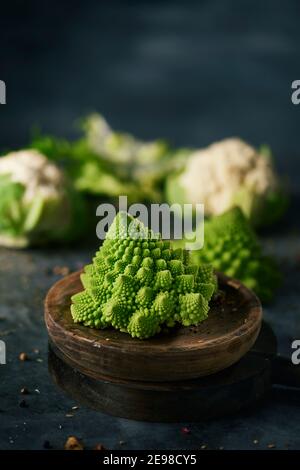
183,353
240,386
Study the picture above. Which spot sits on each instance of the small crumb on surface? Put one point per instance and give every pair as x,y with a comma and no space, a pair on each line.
271,446
23,356
61,270
185,430
72,443
99,447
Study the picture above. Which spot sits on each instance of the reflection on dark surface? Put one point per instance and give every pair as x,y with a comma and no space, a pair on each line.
226,392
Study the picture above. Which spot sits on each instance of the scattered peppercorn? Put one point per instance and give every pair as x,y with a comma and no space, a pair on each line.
61,270
185,430
23,356
99,447
24,391
72,443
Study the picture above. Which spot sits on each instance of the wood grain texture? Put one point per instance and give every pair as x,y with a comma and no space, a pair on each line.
183,353
240,386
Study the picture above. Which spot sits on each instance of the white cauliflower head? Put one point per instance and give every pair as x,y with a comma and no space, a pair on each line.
227,173
33,170
36,202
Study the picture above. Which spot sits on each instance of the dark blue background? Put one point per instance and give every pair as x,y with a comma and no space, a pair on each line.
190,71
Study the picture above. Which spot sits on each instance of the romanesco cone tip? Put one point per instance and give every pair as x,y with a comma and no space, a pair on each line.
138,283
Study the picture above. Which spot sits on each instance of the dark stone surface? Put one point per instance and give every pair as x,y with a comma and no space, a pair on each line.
24,280
192,72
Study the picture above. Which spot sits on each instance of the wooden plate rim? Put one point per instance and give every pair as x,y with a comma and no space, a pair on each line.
254,320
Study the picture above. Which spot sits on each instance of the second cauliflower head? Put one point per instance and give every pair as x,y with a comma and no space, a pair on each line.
137,283
226,174
37,204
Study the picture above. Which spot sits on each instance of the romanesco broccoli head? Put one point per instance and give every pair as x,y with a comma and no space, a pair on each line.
232,247
137,283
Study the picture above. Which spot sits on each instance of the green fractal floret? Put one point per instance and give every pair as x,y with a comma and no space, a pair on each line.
143,324
164,305
163,280
85,310
138,283
144,296
115,314
193,308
